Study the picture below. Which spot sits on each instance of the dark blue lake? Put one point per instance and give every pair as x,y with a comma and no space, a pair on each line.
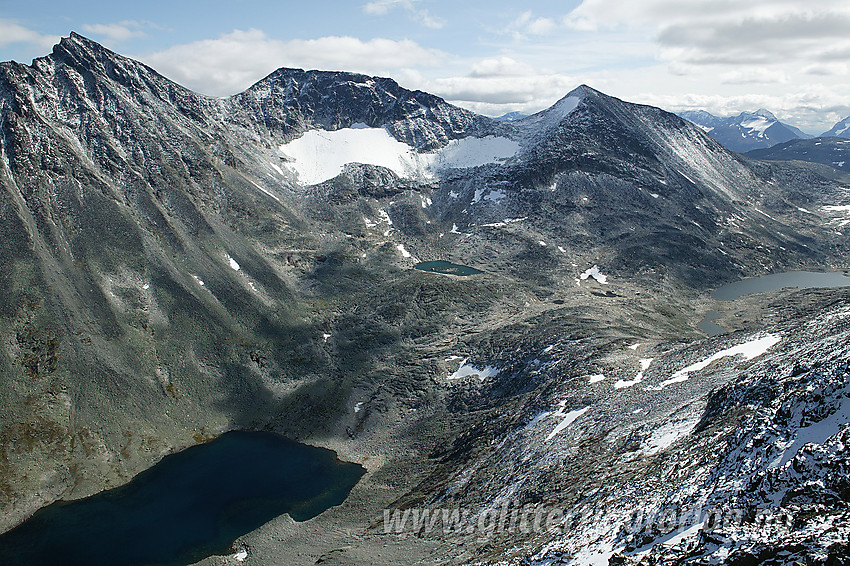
191,505
446,268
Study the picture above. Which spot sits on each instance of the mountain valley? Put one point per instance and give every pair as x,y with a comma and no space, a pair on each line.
177,266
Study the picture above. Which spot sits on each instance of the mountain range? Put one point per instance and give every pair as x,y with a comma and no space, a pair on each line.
747,130
176,266
760,130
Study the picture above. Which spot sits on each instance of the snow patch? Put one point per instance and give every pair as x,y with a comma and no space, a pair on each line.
404,252
466,370
320,155
596,274
233,265
568,419
596,378
751,349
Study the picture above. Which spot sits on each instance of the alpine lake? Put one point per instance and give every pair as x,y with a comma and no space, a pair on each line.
191,505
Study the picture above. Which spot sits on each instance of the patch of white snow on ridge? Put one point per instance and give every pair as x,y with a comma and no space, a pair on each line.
596,274
752,349
320,155
403,250
569,418
233,265
466,370
596,378
241,555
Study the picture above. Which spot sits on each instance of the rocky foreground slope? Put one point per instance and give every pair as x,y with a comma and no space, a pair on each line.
175,266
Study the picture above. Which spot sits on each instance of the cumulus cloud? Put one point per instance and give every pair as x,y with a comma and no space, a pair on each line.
500,67
755,76
421,15
116,32
234,61
529,25
727,32
496,86
11,32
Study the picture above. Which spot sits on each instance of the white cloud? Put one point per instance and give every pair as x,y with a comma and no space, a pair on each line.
496,86
754,76
120,31
526,23
384,7
236,60
500,67
827,69
10,33
731,32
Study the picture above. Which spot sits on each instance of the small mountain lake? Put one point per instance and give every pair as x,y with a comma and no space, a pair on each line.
446,268
776,281
772,282
191,505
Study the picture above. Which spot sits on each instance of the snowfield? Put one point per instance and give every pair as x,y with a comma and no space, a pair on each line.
320,155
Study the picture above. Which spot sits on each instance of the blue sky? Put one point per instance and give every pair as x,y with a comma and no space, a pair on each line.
789,56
